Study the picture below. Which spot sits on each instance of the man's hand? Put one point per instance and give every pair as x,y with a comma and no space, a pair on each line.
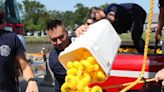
32,87
160,76
80,30
111,16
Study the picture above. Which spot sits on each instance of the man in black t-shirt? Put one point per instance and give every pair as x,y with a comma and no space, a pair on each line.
11,51
124,17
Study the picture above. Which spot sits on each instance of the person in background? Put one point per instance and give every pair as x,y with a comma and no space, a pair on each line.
11,51
160,74
160,20
123,17
59,38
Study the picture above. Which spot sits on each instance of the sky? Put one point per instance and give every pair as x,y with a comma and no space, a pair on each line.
64,5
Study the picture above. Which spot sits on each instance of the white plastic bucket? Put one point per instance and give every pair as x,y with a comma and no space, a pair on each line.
101,40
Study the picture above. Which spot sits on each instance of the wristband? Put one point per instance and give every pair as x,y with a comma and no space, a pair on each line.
31,79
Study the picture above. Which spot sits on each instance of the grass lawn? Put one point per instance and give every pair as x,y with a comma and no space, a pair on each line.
127,36
124,37
33,39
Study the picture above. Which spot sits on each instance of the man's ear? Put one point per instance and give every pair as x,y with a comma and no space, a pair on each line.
65,29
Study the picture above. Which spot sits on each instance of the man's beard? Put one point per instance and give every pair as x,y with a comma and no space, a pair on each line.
61,47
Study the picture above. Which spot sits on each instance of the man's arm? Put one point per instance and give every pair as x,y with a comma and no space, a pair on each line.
27,73
160,24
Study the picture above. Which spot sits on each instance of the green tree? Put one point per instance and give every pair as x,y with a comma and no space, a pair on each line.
55,14
104,6
81,14
34,14
68,19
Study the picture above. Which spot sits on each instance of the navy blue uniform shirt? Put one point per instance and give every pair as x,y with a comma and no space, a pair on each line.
124,14
57,69
10,46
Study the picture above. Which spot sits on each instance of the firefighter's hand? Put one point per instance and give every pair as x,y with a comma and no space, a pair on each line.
160,76
80,30
32,87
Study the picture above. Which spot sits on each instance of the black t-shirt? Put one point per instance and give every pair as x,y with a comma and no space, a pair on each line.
123,16
161,3
10,46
